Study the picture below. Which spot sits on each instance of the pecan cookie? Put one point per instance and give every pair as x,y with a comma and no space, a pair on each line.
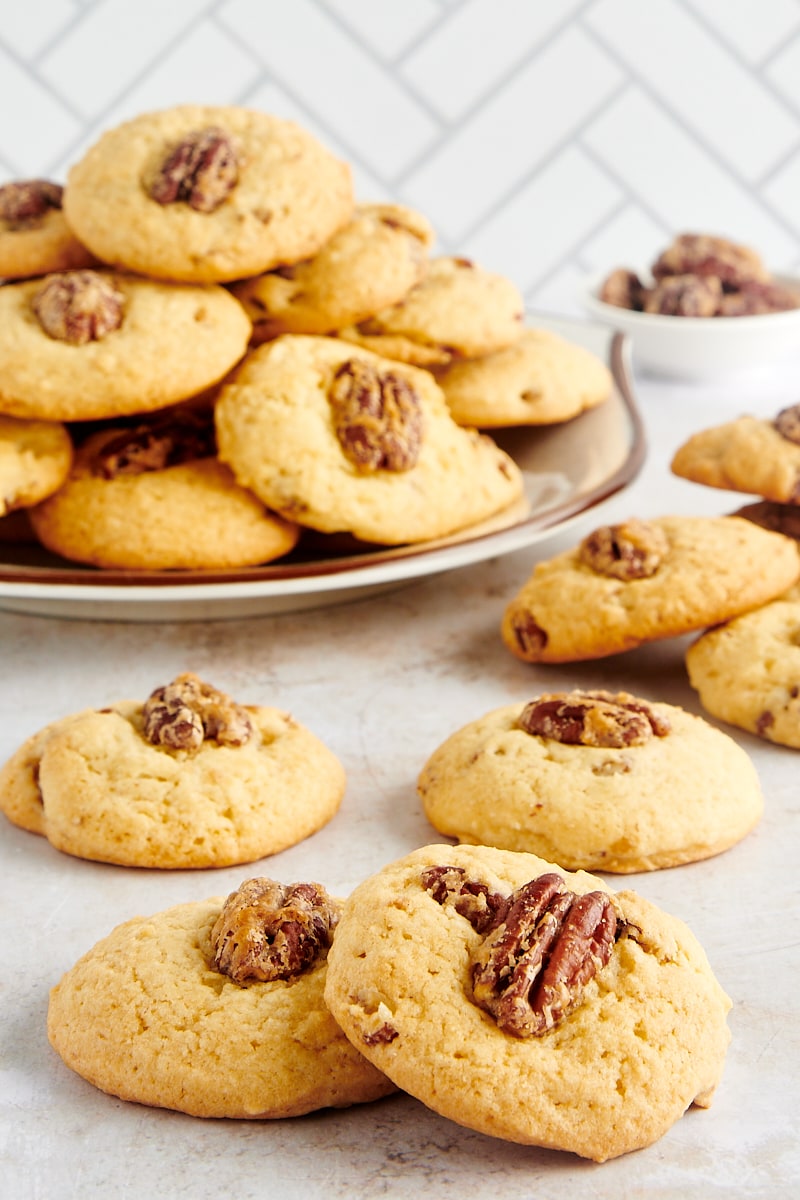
188,778
372,262
747,671
459,310
540,379
640,581
338,439
207,194
749,454
83,345
528,1003
581,778
155,497
162,1012
34,236
35,458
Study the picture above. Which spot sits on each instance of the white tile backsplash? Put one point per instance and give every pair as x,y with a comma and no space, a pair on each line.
546,140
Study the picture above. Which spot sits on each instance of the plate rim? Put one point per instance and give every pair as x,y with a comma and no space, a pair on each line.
386,564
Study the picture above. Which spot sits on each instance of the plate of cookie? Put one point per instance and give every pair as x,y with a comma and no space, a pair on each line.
255,393
567,468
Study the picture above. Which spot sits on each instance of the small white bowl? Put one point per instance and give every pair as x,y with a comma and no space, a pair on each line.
701,347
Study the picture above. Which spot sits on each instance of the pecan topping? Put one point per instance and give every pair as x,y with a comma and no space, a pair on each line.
702,254
450,885
755,297
202,170
157,444
25,204
787,423
685,296
187,712
530,971
593,719
623,289
631,550
377,416
266,931
78,307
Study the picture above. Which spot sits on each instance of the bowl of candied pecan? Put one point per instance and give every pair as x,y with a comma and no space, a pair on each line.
707,307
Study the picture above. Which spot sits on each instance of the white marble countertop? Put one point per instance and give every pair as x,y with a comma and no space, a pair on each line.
383,681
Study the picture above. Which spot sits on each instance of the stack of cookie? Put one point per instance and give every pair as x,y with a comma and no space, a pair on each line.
251,353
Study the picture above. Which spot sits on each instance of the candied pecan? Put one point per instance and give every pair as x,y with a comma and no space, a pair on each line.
78,307
684,296
787,423
377,417
154,445
703,254
623,289
530,971
266,931
596,718
754,297
530,637
631,550
472,900
25,204
202,170
186,712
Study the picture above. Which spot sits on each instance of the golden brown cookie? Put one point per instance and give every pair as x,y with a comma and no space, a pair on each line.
459,310
747,671
750,454
82,345
215,1009
34,236
540,379
207,194
593,780
155,497
336,438
640,581
528,1003
188,778
35,458
372,262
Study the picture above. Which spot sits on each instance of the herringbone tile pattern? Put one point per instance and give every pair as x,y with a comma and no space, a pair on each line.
547,141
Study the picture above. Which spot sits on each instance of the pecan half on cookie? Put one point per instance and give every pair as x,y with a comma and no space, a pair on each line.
154,445
24,204
78,306
377,417
631,550
187,712
595,718
266,931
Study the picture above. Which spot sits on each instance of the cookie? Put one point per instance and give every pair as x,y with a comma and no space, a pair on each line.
540,379
749,454
641,581
339,439
35,458
34,236
747,671
598,1067
164,1012
459,310
593,780
188,778
156,497
371,263
84,345
207,194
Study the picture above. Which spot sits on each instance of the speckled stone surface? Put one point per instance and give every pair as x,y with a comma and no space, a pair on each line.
383,681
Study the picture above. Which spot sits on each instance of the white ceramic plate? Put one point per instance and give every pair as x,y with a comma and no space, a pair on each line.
701,348
568,469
